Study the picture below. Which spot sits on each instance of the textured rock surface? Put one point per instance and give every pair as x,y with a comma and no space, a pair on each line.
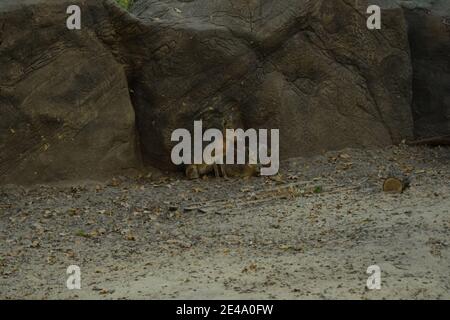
429,37
429,34
310,68
65,111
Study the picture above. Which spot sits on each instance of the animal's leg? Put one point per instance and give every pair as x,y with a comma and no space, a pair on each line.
216,170
224,172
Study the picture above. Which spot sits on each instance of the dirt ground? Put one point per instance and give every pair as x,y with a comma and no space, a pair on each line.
309,233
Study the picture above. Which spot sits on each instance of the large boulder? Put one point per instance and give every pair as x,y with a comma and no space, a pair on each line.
71,102
65,110
310,68
429,37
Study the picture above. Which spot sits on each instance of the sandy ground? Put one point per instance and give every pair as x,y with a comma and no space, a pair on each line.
310,233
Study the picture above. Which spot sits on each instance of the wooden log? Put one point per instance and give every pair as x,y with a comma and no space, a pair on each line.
394,185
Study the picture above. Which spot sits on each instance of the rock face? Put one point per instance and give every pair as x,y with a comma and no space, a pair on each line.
429,34
65,111
429,37
310,68
92,102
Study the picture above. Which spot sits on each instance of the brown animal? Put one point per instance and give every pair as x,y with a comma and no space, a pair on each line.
244,171
196,171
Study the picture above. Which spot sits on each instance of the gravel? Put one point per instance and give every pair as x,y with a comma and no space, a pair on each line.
309,233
